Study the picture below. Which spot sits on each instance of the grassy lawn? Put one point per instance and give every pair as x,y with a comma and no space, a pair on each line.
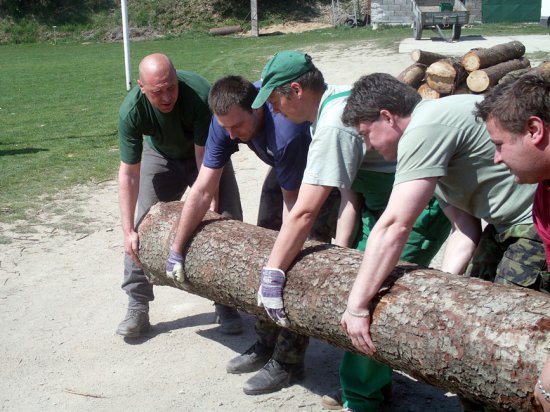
59,103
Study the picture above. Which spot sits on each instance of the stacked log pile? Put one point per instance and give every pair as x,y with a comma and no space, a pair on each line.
435,75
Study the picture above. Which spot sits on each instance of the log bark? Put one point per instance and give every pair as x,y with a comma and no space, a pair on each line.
426,57
486,342
480,80
427,93
445,75
413,75
477,59
222,31
514,75
542,69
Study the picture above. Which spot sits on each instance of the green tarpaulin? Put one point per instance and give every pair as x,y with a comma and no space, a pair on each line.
495,11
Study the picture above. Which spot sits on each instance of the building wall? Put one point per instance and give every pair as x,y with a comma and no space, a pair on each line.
400,11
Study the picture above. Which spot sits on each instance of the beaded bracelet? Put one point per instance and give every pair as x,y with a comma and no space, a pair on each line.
365,314
545,393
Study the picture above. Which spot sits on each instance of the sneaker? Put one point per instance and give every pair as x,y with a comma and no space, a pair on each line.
333,401
229,319
273,377
135,323
250,361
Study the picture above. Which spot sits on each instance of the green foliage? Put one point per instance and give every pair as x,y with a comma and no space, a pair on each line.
26,21
59,103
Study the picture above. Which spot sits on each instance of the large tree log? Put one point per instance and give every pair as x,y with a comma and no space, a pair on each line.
480,80
426,57
543,70
413,75
445,75
477,59
486,342
427,93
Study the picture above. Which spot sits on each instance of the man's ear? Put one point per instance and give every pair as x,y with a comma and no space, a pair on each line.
141,86
297,89
537,130
387,116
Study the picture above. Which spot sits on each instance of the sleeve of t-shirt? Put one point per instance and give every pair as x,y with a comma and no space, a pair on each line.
130,141
334,157
291,161
219,147
201,124
424,152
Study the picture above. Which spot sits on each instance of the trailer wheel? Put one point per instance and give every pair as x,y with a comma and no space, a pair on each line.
417,29
457,29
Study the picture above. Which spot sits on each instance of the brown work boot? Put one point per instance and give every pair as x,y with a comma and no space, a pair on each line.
333,401
135,323
274,376
250,361
229,319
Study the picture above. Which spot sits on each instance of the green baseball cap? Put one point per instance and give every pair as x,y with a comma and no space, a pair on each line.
281,69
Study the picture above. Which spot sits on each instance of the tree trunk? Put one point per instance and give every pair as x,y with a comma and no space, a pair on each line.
477,59
486,342
481,80
413,75
426,57
427,93
542,69
445,75
513,75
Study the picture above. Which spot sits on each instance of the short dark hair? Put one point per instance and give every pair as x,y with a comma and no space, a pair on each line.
311,80
376,92
511,103
229,91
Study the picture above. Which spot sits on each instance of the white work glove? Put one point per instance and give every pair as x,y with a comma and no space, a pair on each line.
174,266
270,295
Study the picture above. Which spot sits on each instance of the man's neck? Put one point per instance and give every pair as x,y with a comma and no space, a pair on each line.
313,100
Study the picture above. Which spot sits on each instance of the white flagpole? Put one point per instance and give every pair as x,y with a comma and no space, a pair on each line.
124,9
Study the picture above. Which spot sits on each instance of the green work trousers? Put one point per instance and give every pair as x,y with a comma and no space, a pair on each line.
361,377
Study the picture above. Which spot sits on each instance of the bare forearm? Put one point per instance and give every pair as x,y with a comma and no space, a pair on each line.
458,252
290,240
348,218
384,247
128,189
193,211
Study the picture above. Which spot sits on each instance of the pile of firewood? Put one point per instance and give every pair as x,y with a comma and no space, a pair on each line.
436,75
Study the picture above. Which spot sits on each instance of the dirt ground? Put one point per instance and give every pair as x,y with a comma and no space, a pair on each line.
61,302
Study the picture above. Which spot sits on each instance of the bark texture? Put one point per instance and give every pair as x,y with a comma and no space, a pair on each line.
445,75
427,93
477,59
481,80
426,57
413,75
486,342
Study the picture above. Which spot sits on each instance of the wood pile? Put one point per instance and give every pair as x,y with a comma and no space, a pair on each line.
436,75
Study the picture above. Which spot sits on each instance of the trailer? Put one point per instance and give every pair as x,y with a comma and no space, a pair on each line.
439,15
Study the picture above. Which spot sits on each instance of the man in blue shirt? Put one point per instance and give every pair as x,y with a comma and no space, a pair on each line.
284,146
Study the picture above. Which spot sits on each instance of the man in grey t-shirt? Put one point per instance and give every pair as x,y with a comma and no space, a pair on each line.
440,148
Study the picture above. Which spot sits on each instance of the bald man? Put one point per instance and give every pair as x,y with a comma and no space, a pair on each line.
163,125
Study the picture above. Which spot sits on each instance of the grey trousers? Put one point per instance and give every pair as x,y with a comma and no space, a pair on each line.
166,180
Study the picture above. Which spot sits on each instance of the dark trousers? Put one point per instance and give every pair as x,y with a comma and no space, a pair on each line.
165,180
290,347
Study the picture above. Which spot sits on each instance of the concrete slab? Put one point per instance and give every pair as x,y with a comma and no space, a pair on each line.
533,43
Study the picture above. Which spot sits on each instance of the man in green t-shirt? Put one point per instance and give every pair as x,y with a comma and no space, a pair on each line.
440,148
337,158
163,125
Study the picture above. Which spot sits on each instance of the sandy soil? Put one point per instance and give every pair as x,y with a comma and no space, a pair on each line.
61,303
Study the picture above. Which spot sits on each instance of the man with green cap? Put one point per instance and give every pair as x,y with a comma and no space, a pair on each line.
337,158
